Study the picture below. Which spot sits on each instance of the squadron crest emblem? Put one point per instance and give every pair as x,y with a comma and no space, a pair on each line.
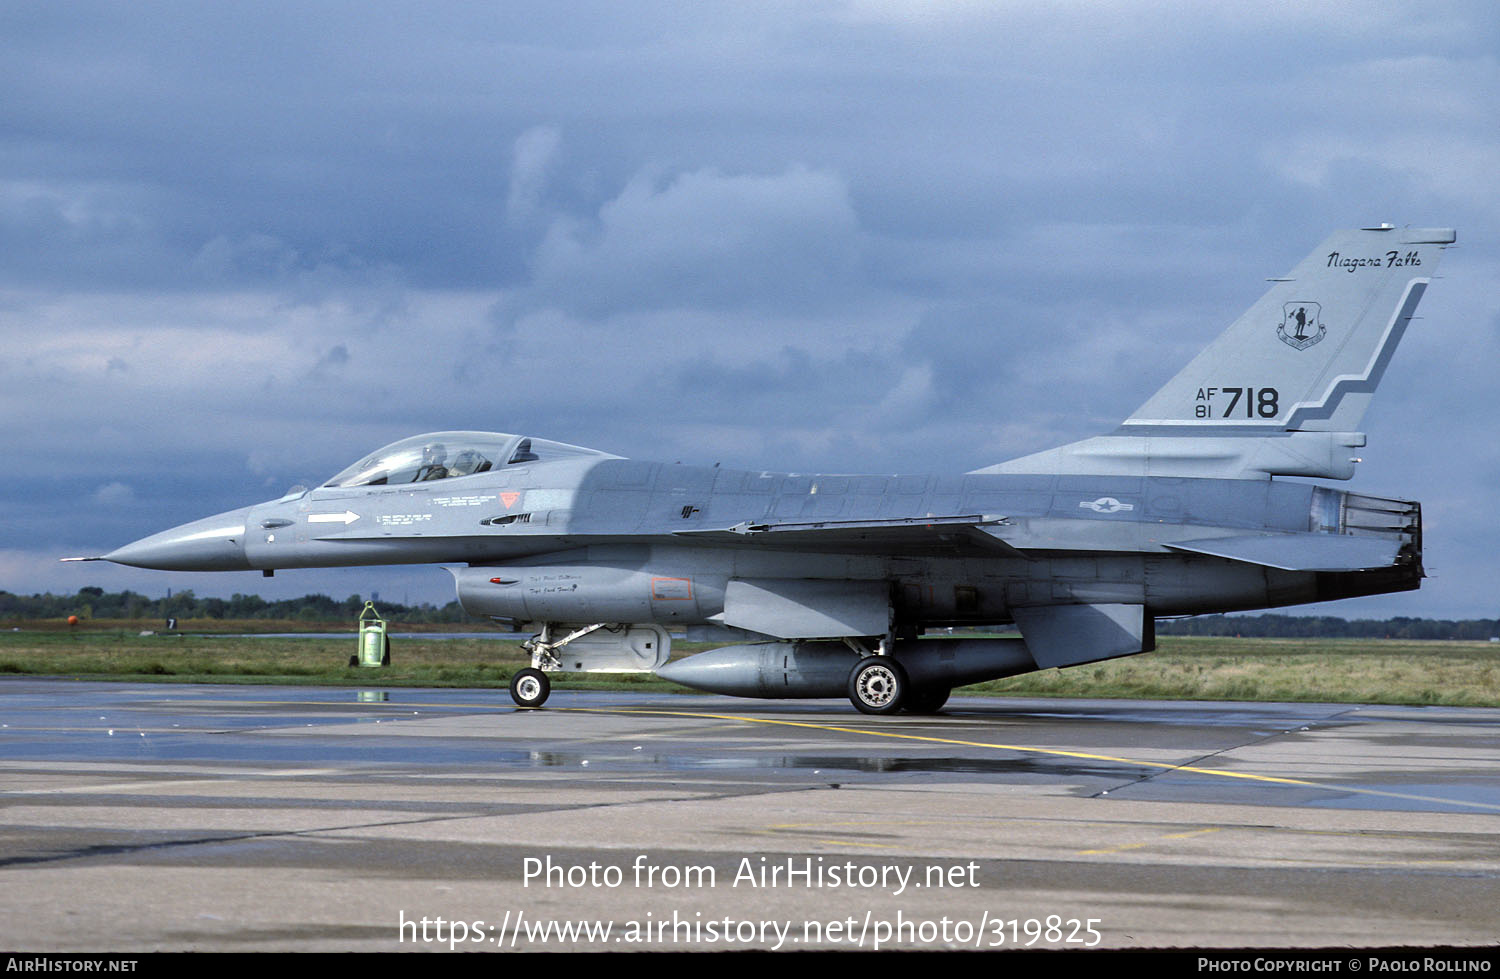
1300,325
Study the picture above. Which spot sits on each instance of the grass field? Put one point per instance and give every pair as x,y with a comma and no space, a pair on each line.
1182,668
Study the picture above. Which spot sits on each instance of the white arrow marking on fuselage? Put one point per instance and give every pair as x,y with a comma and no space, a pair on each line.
346,518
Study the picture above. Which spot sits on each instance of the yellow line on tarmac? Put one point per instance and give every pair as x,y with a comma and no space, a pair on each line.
1136,846
897,735
1059,752
901,736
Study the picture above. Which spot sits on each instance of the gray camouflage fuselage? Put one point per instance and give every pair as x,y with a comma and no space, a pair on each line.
620,540
1179,511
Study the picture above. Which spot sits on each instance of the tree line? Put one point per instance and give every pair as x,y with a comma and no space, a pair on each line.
96,603
1328,627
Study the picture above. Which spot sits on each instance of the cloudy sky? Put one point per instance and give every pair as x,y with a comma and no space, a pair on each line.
243,243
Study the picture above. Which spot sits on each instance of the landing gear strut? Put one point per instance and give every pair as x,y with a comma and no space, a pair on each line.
530,687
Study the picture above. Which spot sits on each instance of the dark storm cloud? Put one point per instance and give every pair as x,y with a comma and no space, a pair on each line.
705,240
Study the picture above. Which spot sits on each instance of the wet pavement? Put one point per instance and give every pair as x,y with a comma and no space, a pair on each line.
317,818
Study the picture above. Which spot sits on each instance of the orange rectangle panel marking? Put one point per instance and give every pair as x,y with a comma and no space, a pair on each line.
671,589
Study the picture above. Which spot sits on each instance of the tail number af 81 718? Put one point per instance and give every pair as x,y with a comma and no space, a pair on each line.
1243,402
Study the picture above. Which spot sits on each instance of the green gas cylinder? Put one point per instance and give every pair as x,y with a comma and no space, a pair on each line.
374,644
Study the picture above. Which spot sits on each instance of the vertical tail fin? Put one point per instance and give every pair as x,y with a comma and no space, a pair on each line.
1282,391
1308,355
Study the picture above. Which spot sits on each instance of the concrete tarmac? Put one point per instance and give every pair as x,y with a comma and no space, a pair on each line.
232,818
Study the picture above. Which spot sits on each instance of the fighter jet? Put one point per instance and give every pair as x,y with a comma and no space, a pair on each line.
827,585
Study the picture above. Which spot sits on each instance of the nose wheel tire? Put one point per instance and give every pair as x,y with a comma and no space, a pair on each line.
878,685
529,688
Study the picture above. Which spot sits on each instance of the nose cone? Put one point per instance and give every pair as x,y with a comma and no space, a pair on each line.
211,544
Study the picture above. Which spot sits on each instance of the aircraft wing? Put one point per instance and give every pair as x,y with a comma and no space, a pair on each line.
1300,552
980,533
902,534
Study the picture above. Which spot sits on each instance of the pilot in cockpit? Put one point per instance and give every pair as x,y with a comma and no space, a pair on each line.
433,458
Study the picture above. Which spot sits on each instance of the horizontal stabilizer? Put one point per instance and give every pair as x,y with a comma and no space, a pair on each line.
1300,552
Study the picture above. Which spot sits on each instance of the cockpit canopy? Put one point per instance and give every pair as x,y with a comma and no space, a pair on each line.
450,455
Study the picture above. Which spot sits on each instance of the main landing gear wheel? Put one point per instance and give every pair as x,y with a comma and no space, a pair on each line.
529,688
928,700
877,685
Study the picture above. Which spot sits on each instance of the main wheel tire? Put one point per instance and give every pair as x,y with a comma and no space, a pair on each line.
529,688
877,685
928,700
